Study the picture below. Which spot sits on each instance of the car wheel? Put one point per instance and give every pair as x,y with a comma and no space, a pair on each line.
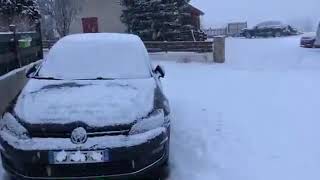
248,35
277,34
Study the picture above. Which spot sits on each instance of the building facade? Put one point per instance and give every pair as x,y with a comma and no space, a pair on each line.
104,16
98,16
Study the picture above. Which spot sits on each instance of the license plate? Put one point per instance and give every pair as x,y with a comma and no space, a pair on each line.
79,157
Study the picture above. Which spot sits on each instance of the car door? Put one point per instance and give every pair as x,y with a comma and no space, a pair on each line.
259,30
269,31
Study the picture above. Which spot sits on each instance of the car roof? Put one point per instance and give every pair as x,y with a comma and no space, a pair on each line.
271,24
91,55
106,37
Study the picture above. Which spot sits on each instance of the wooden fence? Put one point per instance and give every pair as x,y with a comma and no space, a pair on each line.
18,49
217,47
179,46
164,46
47,44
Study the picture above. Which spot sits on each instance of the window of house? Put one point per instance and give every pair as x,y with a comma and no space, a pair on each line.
90,25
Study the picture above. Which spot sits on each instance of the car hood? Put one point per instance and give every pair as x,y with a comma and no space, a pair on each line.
96,103
308,38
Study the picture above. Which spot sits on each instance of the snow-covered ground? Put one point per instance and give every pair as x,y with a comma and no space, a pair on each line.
256,117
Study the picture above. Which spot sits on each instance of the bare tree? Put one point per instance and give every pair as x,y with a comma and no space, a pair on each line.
63,12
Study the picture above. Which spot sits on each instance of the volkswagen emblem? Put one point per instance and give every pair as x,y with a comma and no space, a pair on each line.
79,136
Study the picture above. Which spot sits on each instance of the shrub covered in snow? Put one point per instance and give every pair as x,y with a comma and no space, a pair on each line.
157,20
23,13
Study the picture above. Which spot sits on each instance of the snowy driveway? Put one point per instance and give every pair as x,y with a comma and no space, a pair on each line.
256,117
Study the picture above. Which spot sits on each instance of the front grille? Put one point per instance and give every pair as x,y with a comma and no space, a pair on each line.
39,134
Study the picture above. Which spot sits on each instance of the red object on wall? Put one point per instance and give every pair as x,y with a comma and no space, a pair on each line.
90,25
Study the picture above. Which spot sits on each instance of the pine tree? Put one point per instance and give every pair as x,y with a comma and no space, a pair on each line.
19,11
157,19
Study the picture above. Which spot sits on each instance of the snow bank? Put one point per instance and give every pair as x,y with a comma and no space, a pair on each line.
85,56
96,103
182,57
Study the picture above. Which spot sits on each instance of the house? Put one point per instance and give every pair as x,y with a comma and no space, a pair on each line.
196,16
234,29
104,16
98,16
231,29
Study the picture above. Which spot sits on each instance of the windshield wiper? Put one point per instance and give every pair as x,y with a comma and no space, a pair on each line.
98,78
102,78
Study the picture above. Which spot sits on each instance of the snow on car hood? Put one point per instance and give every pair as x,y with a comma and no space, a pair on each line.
97,103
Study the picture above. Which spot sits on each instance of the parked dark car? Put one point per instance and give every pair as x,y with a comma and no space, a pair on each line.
307,41
93,109
269,29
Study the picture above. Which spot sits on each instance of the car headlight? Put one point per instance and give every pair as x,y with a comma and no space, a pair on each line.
155,120
10,125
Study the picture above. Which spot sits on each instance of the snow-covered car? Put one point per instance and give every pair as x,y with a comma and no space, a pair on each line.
93,108
269,29
307,41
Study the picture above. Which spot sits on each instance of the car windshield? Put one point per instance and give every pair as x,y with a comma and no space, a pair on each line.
270,24
100,56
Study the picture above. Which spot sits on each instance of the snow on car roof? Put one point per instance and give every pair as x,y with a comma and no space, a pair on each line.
106,55
271,24
266,23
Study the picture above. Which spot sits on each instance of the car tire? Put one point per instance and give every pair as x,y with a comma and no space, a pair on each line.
248,35
277,34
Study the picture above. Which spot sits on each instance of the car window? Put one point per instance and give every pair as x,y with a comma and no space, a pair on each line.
270,24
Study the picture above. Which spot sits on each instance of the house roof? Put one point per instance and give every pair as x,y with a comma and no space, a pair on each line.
195,10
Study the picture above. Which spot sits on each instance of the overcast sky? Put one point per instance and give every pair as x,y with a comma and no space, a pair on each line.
219,12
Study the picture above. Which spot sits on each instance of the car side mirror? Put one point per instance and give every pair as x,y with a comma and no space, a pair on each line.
31,71
160,70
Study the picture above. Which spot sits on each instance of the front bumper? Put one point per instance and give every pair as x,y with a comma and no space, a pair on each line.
133,159
307,44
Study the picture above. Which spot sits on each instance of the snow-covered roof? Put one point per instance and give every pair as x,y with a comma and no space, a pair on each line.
196,10
107,55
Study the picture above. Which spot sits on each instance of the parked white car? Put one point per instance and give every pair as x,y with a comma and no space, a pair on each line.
317,42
